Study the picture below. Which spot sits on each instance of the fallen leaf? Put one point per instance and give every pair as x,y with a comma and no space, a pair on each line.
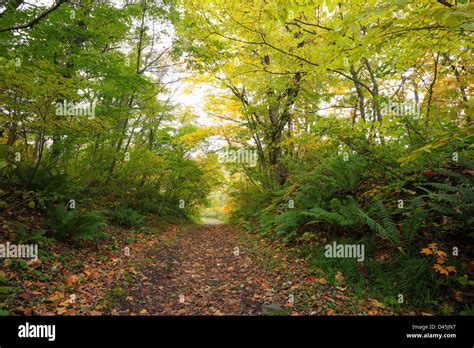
25,295
73,279
458,296
441,269
22,310
376,303
55,296
61,310
451,269
426,251
339,278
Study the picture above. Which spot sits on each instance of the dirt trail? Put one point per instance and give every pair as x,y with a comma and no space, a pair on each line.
197,272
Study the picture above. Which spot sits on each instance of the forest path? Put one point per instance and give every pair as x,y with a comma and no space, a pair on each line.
215,270
199,272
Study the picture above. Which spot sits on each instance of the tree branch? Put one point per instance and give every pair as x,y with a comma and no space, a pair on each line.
34,21
445,3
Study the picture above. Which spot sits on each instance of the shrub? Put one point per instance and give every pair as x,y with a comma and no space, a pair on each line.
23,236
41,179
126,217
75,225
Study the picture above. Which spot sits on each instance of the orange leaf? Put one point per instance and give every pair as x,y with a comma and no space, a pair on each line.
440,269
440,260
451,269
441,253
22,310
330,311
71,280
57,295
322,281
62,310
432,245
458,296
426,251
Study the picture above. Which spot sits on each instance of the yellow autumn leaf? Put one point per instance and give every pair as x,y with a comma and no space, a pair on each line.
191,139
440,269
441,253
451,269
426,251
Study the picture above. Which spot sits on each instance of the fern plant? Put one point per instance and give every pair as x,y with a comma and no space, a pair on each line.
456,202
127,217
322,215
41,179
24,236
383,222
349,214
74,225
452,195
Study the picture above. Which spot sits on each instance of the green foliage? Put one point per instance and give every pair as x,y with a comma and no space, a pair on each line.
385,225
395,211
453,198
23,236
41,179
75,225
127,217
402,274
320,99
129,144
350,215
